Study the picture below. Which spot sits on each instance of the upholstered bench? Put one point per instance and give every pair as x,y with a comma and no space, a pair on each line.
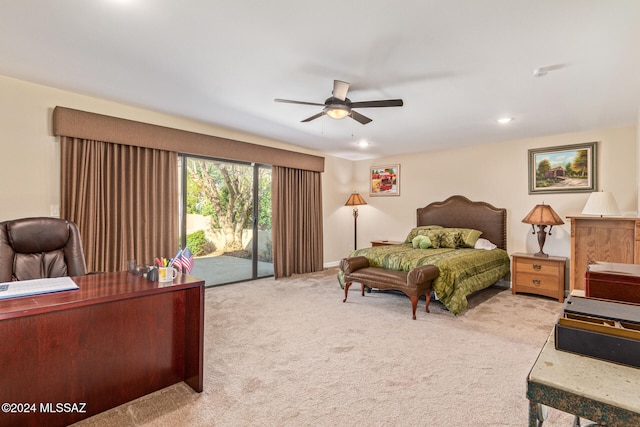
414,284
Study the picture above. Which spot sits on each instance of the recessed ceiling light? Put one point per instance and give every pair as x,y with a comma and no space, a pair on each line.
543,71
363,143
540,72
504,120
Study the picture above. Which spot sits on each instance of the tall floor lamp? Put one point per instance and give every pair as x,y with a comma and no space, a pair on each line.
355,200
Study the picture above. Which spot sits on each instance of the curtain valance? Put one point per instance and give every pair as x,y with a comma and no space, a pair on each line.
92,126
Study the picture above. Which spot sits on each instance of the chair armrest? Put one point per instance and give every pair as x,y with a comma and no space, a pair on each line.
349,265
422,274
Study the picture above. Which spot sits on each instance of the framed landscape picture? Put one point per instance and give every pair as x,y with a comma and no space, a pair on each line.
384,180
569,168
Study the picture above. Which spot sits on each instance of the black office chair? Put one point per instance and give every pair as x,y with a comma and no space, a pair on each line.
36,248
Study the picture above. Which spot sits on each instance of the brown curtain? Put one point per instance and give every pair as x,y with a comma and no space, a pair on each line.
123,198
297,221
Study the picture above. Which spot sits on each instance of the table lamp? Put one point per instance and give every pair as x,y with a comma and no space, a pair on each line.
542,216
601,203
355,200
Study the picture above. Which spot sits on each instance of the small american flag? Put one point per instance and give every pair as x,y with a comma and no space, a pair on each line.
177,261
186,260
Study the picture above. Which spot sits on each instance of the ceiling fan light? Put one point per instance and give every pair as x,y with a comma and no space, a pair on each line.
337,111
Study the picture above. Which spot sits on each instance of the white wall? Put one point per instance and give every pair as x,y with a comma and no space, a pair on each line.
638,159
338,219
30,166
495,173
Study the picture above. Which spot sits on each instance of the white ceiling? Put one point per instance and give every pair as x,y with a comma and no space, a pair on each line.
457,64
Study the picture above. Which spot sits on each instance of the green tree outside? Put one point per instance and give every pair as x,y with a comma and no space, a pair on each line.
224,192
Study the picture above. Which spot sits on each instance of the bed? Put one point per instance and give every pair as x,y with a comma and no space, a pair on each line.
472,256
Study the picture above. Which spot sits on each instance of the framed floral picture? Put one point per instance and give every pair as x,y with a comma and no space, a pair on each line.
384,180
568,168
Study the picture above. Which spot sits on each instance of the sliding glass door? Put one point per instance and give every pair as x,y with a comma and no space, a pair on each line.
226,220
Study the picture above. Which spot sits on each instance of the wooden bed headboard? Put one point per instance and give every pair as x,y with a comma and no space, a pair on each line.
458,211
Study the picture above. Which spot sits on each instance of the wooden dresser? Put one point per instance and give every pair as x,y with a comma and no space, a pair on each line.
608,239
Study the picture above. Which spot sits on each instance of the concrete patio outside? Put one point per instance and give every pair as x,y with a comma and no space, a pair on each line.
221,269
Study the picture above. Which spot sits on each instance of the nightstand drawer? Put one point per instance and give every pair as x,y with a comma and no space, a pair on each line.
538,281
538,267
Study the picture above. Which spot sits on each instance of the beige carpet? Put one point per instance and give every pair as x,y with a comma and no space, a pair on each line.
290,353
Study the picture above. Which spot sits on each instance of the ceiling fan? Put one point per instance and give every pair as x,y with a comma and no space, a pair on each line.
338,106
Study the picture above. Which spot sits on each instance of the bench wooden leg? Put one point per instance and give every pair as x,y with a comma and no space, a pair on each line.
428,298
364,286
346,290
414,305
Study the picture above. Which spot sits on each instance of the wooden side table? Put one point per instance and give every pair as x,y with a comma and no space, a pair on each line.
538,275
384,242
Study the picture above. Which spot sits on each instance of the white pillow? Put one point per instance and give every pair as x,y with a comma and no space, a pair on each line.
484,244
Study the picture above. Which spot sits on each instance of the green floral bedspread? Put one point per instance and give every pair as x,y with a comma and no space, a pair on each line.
462,271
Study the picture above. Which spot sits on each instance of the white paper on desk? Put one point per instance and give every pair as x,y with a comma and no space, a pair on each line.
36,286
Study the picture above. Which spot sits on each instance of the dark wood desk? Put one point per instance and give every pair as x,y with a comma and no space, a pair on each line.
69,355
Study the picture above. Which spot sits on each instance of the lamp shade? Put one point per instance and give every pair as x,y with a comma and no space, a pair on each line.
355,199
543,215
601,203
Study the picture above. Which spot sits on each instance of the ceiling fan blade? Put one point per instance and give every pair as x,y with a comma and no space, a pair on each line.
288,101
360,118
381,103
340,89
315,116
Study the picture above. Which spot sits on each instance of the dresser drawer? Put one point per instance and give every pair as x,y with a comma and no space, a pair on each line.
538,267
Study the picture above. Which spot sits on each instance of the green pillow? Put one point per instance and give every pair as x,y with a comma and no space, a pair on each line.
445,237
451,239
421,242
425,242
469,236
434,235
418,231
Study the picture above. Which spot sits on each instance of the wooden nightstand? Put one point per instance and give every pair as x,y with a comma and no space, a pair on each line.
384,242
537,275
